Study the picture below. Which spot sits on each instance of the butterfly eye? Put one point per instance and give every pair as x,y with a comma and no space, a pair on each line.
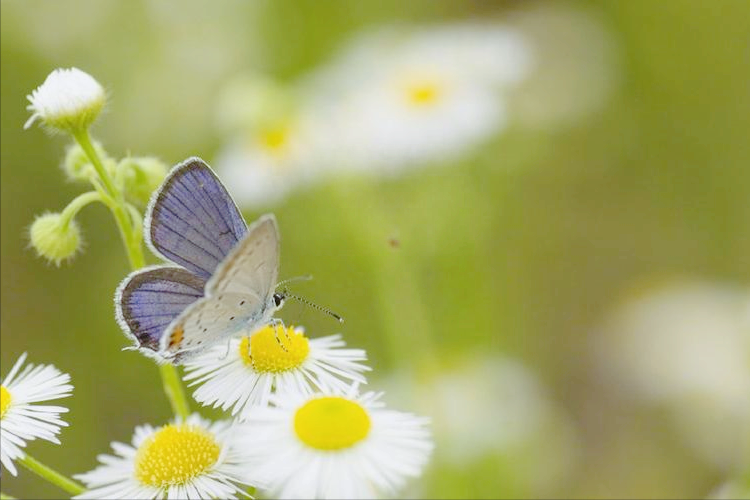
278,299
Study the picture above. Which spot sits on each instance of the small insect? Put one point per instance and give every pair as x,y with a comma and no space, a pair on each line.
224,280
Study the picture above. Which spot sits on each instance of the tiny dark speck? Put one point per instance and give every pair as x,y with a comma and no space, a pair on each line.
242,303
205,330
230,319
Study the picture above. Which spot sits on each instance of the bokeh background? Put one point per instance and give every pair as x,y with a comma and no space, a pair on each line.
568,301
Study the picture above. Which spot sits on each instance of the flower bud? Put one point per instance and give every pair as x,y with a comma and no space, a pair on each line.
139,177
77,165
54,239
69,100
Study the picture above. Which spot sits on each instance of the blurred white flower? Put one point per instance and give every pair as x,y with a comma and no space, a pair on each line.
493,406
335,445
20,420
194,458
686,345
401,97
259,365
69,100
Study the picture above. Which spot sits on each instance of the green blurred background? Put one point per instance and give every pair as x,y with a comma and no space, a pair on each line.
517,252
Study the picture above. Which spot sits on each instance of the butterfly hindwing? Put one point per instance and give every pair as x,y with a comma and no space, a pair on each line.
192,220
147,301
209,320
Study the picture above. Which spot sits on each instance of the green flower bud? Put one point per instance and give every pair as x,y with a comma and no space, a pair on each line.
139,177
54,239
77,165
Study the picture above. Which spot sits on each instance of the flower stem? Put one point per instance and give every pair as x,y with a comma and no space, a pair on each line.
129,237
3,496
128,222
51,475
78,203
174,390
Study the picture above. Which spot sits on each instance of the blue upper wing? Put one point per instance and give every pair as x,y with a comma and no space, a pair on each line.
192,220
148,300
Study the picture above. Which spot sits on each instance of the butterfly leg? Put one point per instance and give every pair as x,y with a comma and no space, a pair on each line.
275,323
226,354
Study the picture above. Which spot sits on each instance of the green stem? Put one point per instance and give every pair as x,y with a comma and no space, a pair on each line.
51,475
174,390
131,240
78,203
129,223
3,496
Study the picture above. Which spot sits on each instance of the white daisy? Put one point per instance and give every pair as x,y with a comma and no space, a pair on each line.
335,445
256,366
193,458
68,100
407,98
20,420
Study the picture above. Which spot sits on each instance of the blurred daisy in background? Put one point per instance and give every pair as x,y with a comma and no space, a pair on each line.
684,346
274,140
193,458
493,406
261,364
21,420
404,97
335,445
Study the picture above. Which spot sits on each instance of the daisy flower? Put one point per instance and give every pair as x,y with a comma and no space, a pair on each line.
402,98
193,458
20,420
258,365
68,100
335,444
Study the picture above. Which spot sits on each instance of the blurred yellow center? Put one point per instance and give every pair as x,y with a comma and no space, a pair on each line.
423,94
4,400
274,138
264,352
331,423
175,454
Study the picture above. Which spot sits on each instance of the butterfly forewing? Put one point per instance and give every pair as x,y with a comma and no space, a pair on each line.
192,220
252,267
147,301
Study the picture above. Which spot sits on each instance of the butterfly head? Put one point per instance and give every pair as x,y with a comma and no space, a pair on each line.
278,299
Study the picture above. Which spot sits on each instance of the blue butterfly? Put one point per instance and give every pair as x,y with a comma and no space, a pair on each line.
225,278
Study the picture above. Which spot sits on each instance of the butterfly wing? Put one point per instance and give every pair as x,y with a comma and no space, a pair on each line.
207,321
148,300
252,267
238,296
192,220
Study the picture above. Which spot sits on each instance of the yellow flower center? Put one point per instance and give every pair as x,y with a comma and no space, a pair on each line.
264,352
331,423
4,400
175,454
423,93
274,138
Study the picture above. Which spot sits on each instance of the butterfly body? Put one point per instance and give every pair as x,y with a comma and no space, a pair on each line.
225,277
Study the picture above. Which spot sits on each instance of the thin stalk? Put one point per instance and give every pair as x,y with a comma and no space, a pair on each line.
174,390
78,203
51,475
129,238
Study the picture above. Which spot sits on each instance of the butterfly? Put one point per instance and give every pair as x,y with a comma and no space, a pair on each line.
224,278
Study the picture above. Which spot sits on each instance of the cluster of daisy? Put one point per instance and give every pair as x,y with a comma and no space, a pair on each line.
300,427
394,99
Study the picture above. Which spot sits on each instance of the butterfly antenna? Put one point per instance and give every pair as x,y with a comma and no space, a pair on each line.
314,306
306,277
